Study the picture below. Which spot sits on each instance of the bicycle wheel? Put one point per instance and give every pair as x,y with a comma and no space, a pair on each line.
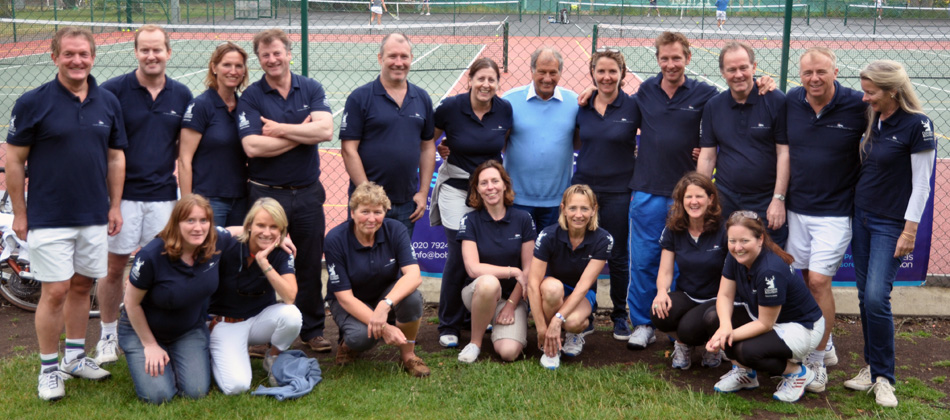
23,294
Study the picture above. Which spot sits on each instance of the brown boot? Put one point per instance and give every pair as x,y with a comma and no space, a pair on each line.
416,367
345,355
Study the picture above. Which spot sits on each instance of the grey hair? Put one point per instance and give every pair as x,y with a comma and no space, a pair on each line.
827,52
551,50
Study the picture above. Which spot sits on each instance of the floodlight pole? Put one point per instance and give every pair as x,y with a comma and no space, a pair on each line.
786,39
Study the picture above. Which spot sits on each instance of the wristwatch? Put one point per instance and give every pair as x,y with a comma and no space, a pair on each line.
780,197
388,302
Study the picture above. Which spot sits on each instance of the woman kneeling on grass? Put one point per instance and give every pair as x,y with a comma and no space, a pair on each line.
778,322
562,281
244,308
496,248
373,276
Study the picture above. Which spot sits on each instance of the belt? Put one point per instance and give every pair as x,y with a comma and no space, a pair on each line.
282,187
215,320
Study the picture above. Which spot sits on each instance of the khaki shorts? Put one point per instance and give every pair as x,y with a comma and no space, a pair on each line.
517,331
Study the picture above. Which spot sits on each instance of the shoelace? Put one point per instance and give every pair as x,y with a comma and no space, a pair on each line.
731,372
885,385
51,379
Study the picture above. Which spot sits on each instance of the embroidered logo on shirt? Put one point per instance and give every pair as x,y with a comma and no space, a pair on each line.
462,224
770,290
331,273
537,242
188,114
343,122
291,262
391,262
243,122
136,269
12,129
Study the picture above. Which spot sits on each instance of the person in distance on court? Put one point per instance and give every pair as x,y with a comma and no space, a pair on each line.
695,241
562,280
376,8
605,162
386,134
497,241
373,281
897,162
281,118
744,142
244,309
721,6
825,121
71,132
476,126
540,150
767,318
211,160
152,108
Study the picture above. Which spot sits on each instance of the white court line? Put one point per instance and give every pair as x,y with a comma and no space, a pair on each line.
930,52
461,74
32,65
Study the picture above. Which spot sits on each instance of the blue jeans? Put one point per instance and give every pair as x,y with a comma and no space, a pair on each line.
647,219
228,211
873,241
614,208
543,216
759,203
401,213
187,373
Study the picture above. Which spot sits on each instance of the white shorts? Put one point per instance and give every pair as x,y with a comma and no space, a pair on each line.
141,222
818,243
376,9
58,253
517,331
799,339
720,15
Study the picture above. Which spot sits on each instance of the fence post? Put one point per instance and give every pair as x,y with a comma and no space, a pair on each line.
808,14
504,53
846,14
304,37
13,14
519,14
786,40
593,42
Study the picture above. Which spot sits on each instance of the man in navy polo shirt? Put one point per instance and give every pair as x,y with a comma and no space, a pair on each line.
825,124
71,133
387,131
281,119
743,138
152,108
540,153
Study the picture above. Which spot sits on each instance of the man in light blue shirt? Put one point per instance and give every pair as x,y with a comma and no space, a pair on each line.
540,151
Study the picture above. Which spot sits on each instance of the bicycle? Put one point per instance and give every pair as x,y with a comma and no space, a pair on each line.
17,284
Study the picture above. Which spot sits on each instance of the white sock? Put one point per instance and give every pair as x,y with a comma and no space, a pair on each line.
108,328
830,344
48,361
74,347
816,356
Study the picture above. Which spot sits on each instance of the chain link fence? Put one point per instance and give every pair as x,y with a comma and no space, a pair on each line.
338,47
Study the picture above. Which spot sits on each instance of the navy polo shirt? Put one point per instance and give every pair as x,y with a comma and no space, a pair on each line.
553,246
700,263
219,167
69,150
823,151
884,185
367,270
669,131
389,136
153,127
746,135
608,145
176,294
472,140
296,167
243,290
772,282
499,241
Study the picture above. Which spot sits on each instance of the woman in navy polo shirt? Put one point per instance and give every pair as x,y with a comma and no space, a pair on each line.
244,308
476,124
606,130
162,328
496,247
767,317
897,161
211,160
695,241
562,280
373,276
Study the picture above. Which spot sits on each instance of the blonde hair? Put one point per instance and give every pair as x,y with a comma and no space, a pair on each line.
584,190
891,77
825,51
274,209
369,193
217,56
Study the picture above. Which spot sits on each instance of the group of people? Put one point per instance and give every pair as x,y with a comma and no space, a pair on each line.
712,265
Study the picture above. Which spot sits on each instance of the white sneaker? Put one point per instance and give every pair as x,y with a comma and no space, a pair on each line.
551,363
831,357
861,382
84,367
449,341
884,393
573,344
821,378
793,385
681,356
268,365
107,350
642,336
470,353
737,379
51,386
427,14
712,359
